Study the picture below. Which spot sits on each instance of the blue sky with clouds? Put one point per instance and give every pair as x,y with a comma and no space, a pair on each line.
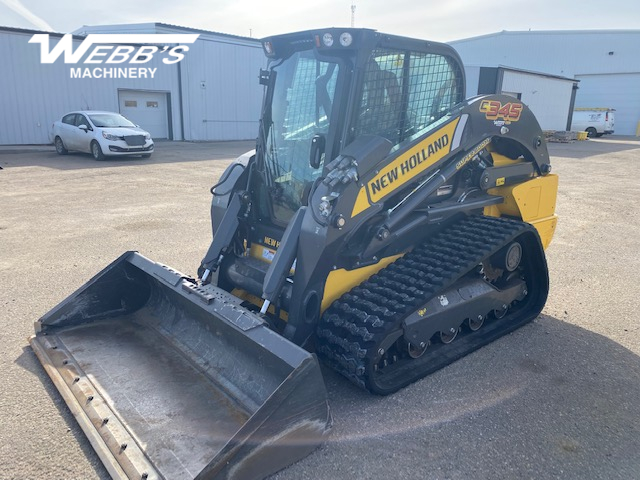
441,20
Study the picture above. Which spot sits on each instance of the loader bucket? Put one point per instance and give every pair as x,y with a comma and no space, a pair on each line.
173,380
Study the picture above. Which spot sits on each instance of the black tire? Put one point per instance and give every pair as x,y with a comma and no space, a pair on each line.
591,132
60,148
96,151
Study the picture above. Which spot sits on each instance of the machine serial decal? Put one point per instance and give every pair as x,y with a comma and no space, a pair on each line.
407,166
499,113
268,254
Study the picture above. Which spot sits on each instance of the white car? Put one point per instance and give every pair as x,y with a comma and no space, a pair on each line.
101,134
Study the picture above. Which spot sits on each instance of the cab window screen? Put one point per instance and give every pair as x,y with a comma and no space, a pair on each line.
406,92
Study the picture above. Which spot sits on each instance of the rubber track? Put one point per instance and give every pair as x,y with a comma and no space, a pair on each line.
353,327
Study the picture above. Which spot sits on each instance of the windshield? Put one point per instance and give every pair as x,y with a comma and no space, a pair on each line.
301,108
110,120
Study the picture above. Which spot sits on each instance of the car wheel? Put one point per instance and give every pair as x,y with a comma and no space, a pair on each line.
96,151
591,132
60,150
145,155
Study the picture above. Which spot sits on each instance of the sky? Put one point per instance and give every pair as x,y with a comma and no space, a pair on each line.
437,20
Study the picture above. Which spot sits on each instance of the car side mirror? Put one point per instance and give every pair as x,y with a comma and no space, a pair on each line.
83,127
317,150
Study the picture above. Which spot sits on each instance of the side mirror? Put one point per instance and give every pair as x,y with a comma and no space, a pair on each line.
317,150
83,127
264,77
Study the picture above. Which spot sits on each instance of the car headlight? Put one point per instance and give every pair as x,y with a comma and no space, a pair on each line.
108,136
147,136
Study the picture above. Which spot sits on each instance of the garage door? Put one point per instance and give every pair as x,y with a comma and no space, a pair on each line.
147,109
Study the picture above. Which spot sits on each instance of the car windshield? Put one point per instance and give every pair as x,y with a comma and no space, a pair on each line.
110,120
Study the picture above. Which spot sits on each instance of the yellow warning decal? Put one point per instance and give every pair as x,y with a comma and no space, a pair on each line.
404,168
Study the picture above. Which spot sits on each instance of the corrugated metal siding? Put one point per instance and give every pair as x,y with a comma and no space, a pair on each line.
208,35
472,75
606,80
562,53
222,94
121,28
621,92
548,98
34,95
222,98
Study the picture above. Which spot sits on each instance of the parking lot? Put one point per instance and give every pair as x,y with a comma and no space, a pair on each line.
559,398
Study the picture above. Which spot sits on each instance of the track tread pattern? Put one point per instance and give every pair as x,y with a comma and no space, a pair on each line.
353,327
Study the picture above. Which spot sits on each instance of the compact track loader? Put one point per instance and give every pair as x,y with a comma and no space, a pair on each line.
383,222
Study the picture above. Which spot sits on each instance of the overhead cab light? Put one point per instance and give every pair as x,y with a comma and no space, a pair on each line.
268,48
346,39
327,39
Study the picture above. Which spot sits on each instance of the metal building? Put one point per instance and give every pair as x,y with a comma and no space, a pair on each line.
606,62
212,94
550,97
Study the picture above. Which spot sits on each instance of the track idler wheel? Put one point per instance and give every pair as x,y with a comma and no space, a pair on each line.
416,352
449,336
509,257
475,323
501,312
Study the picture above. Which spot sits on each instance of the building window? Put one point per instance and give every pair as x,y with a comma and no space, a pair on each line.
130,103
152,104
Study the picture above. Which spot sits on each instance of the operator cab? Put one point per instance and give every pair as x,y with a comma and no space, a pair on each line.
325,88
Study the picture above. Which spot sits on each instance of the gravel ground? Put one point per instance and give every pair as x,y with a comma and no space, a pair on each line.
559,398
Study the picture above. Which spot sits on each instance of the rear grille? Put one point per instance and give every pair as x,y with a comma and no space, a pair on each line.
134,140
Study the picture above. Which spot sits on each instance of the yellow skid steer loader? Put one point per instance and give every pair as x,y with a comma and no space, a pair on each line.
383,222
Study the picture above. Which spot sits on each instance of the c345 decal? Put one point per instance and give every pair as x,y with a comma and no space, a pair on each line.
499,113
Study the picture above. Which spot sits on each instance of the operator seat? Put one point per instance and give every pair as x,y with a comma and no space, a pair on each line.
382,103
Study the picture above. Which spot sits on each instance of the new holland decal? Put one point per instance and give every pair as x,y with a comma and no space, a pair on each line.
404,168
499,113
